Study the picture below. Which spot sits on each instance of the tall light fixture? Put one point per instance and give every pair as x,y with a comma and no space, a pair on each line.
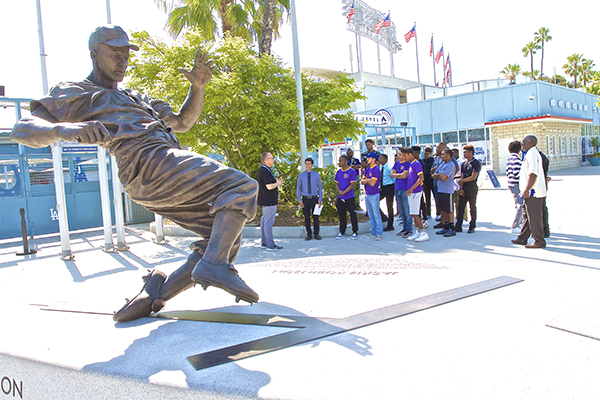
301,125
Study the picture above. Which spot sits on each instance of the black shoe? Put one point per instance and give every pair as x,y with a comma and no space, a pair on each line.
442,232
317,236
146,301
224,277
274,248
471,230
547,234
438,226
388,229
449,233
457,229
517,241
308,237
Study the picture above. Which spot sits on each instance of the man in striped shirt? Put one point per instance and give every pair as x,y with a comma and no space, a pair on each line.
513,167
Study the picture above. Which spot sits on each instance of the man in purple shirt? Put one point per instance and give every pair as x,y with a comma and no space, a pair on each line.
414,191
400,172
345,179
371,180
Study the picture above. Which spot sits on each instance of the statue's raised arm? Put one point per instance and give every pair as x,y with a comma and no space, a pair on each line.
199,77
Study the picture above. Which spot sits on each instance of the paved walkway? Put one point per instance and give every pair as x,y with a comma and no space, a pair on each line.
494,345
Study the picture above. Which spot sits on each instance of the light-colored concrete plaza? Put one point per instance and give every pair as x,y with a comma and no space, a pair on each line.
500,344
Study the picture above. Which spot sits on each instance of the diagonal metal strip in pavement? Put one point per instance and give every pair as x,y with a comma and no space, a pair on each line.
316,328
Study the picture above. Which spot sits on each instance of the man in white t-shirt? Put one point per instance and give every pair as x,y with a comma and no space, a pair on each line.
533,185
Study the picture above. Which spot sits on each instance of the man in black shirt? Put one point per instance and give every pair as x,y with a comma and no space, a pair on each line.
427,163
267,199
468,188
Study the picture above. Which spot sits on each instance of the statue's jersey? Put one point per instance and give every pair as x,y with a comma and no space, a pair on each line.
126,114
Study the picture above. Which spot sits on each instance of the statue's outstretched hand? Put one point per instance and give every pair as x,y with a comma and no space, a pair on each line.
202,70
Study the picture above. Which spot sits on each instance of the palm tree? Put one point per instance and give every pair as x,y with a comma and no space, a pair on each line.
243,18
272,18
534,76
540,37
511,71
587,71
529,50
573,67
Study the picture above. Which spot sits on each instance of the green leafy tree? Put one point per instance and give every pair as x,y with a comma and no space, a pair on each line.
573,67
250,104
558,80
540,37
594,88
511,71
528,51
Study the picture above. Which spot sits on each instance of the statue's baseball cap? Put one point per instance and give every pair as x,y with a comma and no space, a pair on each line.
111,35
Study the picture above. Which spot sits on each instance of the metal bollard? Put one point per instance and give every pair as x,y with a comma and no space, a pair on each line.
26,250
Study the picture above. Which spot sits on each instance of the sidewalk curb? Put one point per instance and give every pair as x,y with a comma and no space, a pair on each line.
289,232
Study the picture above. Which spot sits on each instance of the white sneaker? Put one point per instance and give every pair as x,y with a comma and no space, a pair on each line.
425,224
354,236
378,237
465,223
516,230
413,236
423,237
339,236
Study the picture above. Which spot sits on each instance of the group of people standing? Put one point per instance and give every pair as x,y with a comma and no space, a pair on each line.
412,181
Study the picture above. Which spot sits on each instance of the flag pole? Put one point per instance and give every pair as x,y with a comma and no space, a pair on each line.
433,60
449,71
443,63
417,50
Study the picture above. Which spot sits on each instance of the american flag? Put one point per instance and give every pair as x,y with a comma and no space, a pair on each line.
351,13
447,63
431,47
411,34
449,74
439,55
383,23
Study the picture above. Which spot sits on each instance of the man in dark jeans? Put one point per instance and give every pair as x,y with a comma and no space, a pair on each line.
468,188
309,192
387,190
427,163
345,180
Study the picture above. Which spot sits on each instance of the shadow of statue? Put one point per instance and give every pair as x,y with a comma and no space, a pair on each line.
161,356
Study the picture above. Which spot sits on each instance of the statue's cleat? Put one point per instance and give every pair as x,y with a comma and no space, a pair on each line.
224,277
146,301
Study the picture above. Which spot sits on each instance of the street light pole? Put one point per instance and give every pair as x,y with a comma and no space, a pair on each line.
301,126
